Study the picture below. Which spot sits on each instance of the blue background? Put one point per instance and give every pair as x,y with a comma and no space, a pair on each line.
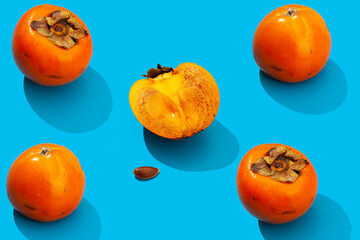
194,196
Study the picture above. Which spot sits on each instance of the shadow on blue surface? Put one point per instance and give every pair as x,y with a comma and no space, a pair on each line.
80,106
324,220
320,94
214,148
83,223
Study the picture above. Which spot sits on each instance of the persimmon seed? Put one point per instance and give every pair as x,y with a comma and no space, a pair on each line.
146,172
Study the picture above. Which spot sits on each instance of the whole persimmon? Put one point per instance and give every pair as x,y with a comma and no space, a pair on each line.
175,103
276,183
46,182
51,45
292,43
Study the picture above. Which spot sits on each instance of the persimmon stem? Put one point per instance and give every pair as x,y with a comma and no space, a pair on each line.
279,166
59,29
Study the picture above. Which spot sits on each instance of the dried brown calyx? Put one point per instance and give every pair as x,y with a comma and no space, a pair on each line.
154,72
291,12
61,28
45,151
281,164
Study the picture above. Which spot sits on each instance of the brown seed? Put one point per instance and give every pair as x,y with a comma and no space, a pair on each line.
146,172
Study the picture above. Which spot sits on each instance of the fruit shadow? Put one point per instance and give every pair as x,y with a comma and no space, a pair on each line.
80,106
324,220
83,223
320,94
214,148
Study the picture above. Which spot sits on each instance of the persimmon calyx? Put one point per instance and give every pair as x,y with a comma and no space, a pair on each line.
291,12
45,151
154,72
281,164
61,29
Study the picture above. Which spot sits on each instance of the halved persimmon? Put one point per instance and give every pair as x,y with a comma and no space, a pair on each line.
276,183
175,103
292,43
46,182
51,45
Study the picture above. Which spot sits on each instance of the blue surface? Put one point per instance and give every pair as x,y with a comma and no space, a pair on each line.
194,196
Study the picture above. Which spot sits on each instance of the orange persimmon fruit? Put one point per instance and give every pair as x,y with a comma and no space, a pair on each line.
292,43
46,182
175,103
276,183
51,45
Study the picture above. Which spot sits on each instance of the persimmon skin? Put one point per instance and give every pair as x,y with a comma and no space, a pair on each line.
292,48
46,188
43,62
269,200
176,106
